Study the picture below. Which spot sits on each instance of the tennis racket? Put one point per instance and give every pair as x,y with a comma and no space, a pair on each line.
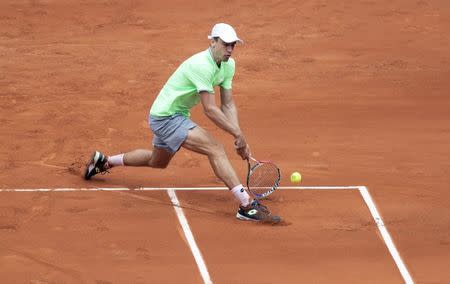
263,177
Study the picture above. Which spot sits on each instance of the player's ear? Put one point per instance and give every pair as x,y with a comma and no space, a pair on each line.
214,41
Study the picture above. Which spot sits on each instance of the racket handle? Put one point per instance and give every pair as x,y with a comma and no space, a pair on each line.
253,159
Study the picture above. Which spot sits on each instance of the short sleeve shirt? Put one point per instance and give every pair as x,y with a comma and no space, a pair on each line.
196,74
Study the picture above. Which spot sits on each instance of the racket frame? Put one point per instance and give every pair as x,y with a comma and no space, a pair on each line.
252,168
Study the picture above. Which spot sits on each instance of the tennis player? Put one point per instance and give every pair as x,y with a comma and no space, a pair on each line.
169,119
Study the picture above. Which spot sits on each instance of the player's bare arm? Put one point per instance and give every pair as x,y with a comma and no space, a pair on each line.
213,112
229,109
227,105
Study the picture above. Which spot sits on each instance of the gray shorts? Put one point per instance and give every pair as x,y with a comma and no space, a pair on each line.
169,132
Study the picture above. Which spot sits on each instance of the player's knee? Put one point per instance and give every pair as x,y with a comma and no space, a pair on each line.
217,149
158,164
161,166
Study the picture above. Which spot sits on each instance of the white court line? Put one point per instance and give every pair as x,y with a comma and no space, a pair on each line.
67,189
362,189
280,187
174,188
385,234
190,237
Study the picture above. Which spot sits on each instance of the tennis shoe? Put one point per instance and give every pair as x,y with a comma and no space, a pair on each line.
256,212
97,164
261,207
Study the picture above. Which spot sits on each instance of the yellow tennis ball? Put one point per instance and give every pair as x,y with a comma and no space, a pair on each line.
296,177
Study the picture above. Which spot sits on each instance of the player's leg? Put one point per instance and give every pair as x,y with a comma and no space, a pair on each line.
157,158
200,141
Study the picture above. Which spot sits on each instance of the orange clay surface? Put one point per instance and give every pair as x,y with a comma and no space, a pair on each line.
345,92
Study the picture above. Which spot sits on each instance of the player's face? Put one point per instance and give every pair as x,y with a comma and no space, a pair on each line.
223,50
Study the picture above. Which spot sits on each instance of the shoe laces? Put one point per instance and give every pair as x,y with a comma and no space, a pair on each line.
101,169
104,167
263,208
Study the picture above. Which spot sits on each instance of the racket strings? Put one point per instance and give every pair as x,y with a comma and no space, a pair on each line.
264,177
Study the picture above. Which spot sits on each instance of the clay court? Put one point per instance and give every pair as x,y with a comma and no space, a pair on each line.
355,95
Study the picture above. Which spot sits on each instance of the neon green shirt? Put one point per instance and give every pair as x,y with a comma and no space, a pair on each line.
196,74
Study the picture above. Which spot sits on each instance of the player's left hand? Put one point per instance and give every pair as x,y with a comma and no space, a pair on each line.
242,147
244,152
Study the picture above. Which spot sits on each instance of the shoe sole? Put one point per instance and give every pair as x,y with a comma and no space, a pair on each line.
272,219
242,217
92,161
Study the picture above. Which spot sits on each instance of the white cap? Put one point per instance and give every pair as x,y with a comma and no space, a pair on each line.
225,32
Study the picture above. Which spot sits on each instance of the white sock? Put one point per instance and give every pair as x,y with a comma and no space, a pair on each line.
241,195
116,160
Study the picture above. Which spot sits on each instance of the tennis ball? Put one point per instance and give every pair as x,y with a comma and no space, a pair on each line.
296,177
